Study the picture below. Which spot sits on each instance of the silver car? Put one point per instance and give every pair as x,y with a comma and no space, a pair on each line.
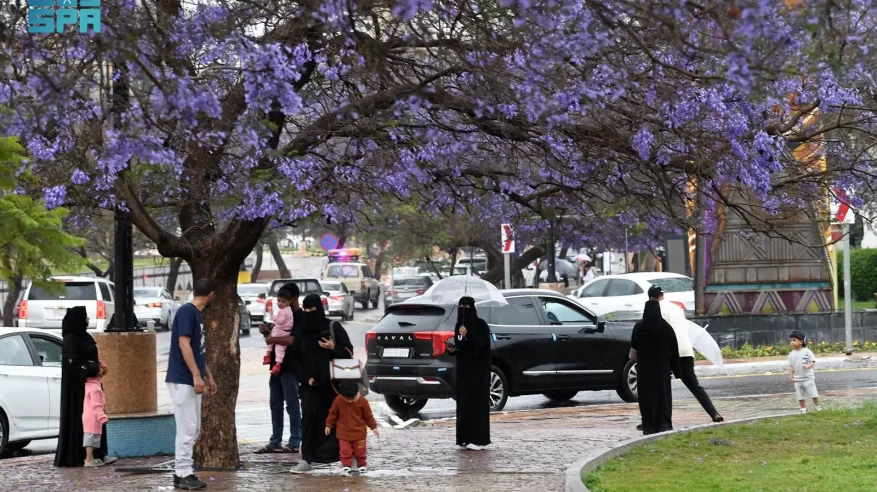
156,304
341,301
257,295
243,310
405,288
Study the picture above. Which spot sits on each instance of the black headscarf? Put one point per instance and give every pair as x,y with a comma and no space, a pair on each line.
652,313
314,320
467,316
75,322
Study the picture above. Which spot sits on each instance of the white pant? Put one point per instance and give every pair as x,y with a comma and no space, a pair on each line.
187,414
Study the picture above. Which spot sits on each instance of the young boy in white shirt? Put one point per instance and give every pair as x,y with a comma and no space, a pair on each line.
801,362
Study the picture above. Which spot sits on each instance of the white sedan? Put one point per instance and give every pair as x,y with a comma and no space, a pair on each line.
156,304
30,386
629,292
341,302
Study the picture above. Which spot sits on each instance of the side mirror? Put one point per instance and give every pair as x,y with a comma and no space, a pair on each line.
247,303
326,294
601,325
262,296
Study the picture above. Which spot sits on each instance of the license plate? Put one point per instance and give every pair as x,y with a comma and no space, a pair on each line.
406,295
396,352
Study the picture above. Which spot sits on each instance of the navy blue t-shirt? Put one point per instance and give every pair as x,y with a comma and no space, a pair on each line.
187,323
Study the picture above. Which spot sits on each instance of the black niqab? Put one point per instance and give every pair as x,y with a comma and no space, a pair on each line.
472,388
79,353
657,354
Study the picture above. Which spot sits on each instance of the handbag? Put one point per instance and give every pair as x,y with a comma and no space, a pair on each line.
351,369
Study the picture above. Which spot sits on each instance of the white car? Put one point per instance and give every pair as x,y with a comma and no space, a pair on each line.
629,292
156,304
30,386
340,300
257,294
45,308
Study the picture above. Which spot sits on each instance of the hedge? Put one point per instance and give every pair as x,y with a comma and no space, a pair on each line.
863,268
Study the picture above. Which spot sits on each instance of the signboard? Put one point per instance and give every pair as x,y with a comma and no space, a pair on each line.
508,239
328,241
841,207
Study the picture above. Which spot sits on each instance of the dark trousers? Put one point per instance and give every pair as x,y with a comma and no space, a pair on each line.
284,389
690,381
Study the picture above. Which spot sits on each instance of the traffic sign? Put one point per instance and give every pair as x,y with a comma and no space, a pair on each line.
508,238
328,241
843,208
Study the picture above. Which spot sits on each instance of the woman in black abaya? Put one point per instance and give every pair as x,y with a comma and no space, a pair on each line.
316,345
472,349
79,355
657,354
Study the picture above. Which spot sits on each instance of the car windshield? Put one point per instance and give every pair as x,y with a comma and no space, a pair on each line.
331,286
146,292
305,287
252,290
673,284
70,291
419,282
343,271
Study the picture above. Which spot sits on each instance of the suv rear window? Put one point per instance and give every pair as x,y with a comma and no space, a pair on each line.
343,271
673,284
413,316
305,287
73,291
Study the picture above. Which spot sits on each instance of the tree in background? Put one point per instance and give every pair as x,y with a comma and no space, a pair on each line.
33,241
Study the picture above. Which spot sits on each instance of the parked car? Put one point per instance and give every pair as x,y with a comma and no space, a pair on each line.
478,264
359,280
156,304
542,343
243,311
629,292
43,308
340,300
306,287
30,395
405,288
257,294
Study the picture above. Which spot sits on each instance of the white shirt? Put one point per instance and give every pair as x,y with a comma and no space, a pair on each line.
590,275
675,316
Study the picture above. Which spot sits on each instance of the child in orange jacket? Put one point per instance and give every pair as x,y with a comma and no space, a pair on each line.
353,416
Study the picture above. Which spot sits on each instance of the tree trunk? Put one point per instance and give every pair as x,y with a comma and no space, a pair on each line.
278,258
434,268
257,268
497,274
453,260
342,241
13,289
173,274
699,258
563,252
379,264
218,445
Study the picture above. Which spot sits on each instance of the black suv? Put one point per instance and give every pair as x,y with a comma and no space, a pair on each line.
542,343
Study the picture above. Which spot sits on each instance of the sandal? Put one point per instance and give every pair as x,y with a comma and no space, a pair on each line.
269,449
288,449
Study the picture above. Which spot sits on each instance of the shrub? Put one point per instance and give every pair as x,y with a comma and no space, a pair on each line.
863,269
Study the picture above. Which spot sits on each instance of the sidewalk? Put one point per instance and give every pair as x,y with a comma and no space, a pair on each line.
531,450
762,365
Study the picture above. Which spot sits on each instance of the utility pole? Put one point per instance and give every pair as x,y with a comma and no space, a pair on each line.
848,295
552,273
123,252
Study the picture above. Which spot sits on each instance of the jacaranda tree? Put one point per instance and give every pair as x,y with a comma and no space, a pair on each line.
229,114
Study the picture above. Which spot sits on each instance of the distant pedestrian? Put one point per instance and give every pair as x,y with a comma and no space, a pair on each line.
94,418
801,362
675,316
283,387
315,345
657,353
283,323
188,378
353,417
471,346
588,272
79,354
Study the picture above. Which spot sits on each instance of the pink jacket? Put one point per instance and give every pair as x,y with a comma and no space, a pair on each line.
282,323
93,416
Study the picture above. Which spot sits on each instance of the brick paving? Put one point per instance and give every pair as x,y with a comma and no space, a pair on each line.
531,450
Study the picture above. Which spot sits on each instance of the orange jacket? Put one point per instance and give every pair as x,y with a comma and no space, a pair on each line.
353,419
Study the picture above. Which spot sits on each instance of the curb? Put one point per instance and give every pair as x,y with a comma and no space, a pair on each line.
573,475
782,366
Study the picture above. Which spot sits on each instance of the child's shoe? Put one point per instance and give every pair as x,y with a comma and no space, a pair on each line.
94,463
818,408
266,361
345,471
275,370
803,410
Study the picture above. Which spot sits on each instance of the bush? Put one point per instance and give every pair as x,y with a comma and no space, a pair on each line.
863,268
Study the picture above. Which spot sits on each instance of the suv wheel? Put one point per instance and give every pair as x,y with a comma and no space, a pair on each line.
405,405
4,433
560,396
365,301
377,300
627,387
498,389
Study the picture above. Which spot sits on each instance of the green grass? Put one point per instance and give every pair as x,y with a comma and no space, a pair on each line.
829,450
856,304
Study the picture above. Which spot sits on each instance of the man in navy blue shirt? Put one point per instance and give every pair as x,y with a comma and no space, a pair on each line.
188,378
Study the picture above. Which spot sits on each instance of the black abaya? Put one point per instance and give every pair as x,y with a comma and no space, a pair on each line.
657,354
472,378
79,351
310,361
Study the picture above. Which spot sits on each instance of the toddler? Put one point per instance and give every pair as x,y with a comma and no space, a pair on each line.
801,362
93,416
353,416
282,328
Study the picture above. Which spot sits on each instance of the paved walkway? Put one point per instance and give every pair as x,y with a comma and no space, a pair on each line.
530,452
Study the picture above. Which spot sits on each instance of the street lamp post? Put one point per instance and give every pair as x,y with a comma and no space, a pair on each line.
123,260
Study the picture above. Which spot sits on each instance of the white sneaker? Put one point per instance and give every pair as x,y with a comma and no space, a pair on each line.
803,410
475,447
363,471
345,471
818,408
301,468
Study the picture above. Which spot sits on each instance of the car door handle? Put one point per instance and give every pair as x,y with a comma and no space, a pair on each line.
503,337
56,378
564,337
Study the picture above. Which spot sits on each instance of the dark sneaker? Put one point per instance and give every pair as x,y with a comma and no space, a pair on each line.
176,480
190,483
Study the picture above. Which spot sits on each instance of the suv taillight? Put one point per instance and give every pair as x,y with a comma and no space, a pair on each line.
269,306
420,292
101,310
325,302
22,310
369,335
678,304
439,340
362,286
